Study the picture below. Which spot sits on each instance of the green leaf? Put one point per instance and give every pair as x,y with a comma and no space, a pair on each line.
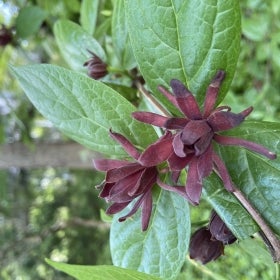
257,177
121,41
29,20
99,272
162,249
74,43
88,16
187,40
82,108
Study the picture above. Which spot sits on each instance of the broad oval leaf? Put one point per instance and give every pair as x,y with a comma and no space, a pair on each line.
75,43
257,177
162,249
120,38
184,39
82,108
100,272
88,15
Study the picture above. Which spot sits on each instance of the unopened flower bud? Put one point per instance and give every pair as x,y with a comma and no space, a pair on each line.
203,248
5,36
96,67
219,230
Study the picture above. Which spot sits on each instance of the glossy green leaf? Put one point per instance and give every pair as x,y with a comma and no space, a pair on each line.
29,21
256,176
121,41
100,272
74,43
162,249
88,15
83,108
184,39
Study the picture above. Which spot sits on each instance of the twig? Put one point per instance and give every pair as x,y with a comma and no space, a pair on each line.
267,234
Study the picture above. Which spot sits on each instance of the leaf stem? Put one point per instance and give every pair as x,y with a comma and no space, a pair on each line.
267,234
152,100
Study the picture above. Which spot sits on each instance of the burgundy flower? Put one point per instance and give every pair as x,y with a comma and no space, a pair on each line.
203,248
126,180
6,36
194,133
219,230
97,69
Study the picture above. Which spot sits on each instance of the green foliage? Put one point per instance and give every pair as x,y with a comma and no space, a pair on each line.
184,40
80,107
102,272
88,16
159,251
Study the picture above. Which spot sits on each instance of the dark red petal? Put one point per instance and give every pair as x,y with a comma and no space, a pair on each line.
177,189
157,152
168,95
114,175
212,93
145,181
203,143
227,140
147,207
178,146
185,100
205,163
116,207
150,118
194,184
194,130
178,163
129,148
176,123
223,172
106,188
101,164
221,120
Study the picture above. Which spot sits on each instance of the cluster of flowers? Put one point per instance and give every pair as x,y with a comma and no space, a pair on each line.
186,143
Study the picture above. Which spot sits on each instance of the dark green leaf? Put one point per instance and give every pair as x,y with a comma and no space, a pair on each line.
83,108
74,43
257,177
89,11
120,37
186,40
100,272
162,249
29,20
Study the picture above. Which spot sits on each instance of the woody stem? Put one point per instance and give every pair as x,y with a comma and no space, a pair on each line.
267,234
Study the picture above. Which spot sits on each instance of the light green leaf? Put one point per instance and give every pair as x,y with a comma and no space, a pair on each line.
74,43
162,249
256,176
82,108
29,20
100,272
187,40
121,41
88,15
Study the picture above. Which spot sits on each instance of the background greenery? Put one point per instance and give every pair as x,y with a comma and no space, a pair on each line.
55,213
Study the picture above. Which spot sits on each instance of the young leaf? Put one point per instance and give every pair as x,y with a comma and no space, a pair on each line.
186,40
29,20
120,37
162,249
74,43
257,177
88,16
100,272
82,108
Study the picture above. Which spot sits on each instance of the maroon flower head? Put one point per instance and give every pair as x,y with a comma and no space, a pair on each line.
194,133
97,69
126,180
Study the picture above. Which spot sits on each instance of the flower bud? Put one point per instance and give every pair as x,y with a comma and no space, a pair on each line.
5,36
219,230
96,67
203,248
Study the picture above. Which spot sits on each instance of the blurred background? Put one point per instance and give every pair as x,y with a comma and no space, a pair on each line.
49,207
